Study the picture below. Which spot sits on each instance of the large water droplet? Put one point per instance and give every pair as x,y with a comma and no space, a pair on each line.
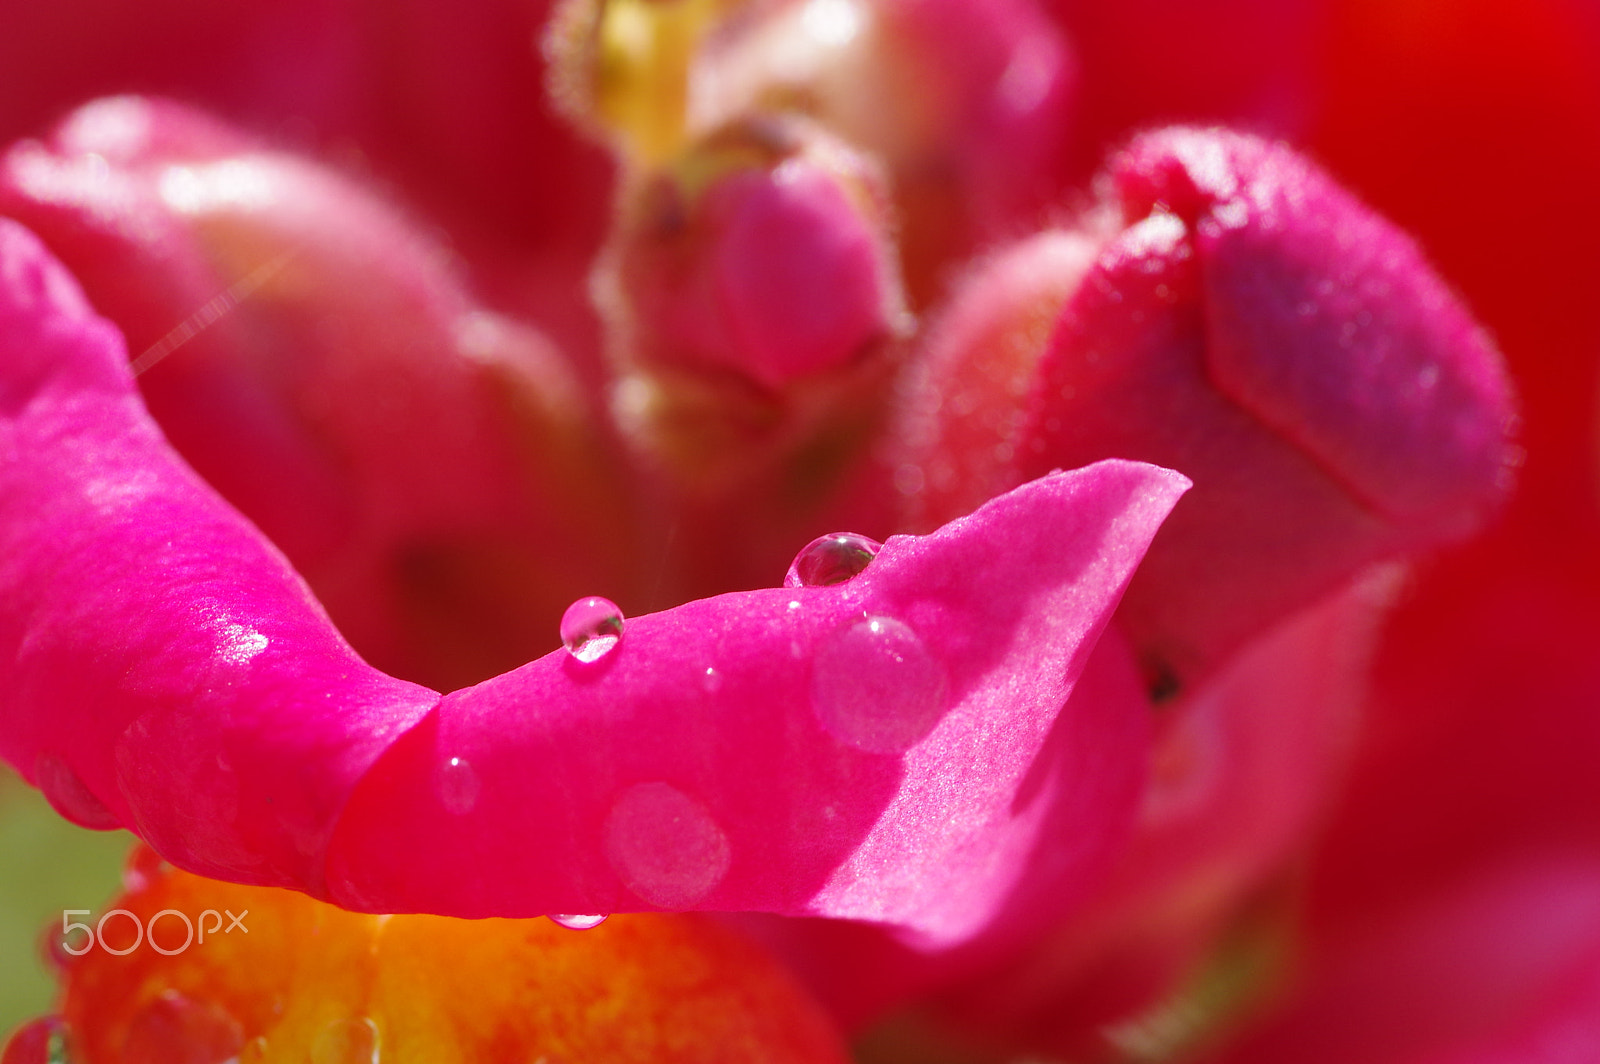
346,1042
42,1041
458,786
875,686
831,559
578,923
174,1029
590,628
68,795
665,845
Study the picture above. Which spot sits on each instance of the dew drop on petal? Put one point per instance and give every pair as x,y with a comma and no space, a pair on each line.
458,786
42,1041
831,559
346,1042
711,680
254,1051
68,795
876,686
578,923
175,1029
590,628
664,845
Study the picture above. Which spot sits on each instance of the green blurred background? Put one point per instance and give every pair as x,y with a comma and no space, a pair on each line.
46,865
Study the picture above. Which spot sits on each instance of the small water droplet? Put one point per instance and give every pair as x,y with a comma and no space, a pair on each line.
876,686
665,845
458,786
143,868
68,795
175,1029
711,681
254,1051
831,559
578,923
346,1042
43,1041
590,628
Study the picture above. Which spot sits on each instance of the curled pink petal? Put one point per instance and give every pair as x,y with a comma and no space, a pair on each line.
732,753
165,669
312,353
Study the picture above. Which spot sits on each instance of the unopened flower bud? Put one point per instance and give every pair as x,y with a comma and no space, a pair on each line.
1251,324
753,306
964,101
763,252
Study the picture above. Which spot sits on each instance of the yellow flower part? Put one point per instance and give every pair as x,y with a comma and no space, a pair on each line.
186,970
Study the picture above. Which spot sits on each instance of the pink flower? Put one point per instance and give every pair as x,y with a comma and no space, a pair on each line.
307,423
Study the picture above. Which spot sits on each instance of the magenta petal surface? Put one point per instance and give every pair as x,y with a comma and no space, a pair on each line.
869,750
162,667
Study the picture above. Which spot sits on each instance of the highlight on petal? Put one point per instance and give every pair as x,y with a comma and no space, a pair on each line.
185,970
726,754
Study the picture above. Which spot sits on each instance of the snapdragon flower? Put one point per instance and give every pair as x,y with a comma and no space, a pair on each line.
302,473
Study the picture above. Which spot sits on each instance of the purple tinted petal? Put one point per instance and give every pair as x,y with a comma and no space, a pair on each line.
1324,321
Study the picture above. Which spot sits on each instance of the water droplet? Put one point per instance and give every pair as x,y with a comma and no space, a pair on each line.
665,845
875,686
67,793
590,628
346,1042
831,559
458,786
578,923
143,868
711,681
254,1051
42,1041
174,1029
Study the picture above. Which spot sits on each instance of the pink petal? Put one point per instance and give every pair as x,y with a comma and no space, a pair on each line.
165,669
730,754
